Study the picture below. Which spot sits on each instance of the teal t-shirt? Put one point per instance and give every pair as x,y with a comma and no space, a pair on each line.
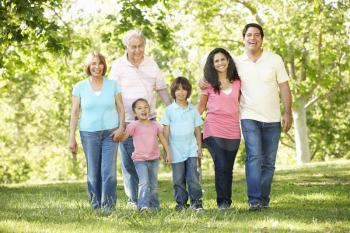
98,110
182,123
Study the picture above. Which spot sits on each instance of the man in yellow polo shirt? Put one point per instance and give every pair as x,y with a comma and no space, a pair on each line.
263,77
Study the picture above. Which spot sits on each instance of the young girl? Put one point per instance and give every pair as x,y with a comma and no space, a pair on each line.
182,128
146,154
221,127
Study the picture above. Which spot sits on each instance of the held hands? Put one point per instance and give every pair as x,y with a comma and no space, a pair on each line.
287,121
167,158
200,154
118,134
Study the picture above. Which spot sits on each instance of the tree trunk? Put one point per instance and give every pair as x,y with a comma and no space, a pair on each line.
302,149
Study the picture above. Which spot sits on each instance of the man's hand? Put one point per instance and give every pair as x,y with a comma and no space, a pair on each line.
203,84
287,120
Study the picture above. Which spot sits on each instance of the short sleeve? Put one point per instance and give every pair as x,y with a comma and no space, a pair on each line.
160,79
114,74
205,91
282,75
76,90
197,118
116,87
159,127
130,129
166,118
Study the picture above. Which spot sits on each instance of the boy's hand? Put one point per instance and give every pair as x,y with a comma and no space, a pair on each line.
200,154
168,158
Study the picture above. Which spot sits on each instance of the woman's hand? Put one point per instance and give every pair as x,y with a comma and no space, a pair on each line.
73,147
118,134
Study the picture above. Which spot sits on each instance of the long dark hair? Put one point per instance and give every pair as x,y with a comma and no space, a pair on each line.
210,73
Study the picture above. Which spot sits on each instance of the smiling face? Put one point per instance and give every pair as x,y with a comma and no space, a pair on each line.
135,50
253,40
180,94
96,67
142,110
220,62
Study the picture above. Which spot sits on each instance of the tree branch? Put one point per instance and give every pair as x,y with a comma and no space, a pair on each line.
252,10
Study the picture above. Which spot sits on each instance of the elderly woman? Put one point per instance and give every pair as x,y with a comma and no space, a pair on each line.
139,77
99,104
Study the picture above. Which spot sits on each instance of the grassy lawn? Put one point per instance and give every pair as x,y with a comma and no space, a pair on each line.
314,198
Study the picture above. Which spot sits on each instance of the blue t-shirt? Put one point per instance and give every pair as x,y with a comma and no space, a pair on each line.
98,111
182,123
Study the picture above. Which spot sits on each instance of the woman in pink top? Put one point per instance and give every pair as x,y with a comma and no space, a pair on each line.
221,126
146,154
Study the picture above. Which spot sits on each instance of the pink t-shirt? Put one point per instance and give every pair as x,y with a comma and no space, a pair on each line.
145,137
222,118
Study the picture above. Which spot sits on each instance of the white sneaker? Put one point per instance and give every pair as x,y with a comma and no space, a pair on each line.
131,205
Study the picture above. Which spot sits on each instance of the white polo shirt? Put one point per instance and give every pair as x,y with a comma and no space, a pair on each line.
137,82
259,86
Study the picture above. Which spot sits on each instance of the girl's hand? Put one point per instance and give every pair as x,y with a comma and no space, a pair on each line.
168,158
118,134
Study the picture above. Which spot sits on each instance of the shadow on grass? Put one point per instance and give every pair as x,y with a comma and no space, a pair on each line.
303,200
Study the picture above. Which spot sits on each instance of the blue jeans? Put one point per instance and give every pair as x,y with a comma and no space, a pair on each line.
223,151
261,143
130,178
100,153
147,172
186,172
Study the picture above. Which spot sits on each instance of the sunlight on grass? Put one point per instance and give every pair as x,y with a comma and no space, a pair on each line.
302,201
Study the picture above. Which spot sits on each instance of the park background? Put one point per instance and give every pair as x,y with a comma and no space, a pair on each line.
43,45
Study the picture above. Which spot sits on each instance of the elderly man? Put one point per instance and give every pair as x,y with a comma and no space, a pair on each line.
139,77
263,76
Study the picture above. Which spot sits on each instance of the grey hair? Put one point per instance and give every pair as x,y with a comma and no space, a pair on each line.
130,34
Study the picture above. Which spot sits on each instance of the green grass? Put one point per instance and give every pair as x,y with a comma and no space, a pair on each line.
313,198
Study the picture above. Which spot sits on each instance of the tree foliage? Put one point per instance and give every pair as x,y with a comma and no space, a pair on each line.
42,52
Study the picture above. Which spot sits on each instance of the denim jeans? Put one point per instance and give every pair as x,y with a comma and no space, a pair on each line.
100,153
223,152
186,172
261,142
130,178
147,172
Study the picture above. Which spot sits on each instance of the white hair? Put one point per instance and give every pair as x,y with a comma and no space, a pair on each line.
130,34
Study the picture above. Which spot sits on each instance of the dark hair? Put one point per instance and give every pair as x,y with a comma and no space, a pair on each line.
210,73
133,106
88,62
253,25
186,85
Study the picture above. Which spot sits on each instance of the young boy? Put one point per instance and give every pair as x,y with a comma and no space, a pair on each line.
182,128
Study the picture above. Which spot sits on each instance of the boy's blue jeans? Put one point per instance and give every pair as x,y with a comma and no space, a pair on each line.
261,143
186,173
147,172
100,152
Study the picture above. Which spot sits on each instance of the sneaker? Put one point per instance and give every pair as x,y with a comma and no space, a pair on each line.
131,205
144,209
224,206
180,207
265,206
197,205
254,206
